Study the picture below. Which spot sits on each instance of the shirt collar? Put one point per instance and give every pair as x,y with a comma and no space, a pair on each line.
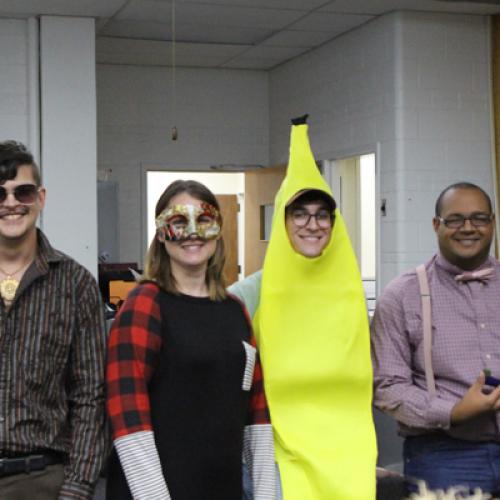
46,254
446,266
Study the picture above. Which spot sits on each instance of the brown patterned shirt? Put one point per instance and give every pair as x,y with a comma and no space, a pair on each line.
52,353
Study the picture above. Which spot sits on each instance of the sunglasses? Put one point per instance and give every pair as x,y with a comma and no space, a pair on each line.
25,194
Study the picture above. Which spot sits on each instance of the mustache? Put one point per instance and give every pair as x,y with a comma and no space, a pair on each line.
17,211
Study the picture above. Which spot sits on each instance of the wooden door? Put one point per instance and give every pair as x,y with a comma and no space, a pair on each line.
229,209
261,187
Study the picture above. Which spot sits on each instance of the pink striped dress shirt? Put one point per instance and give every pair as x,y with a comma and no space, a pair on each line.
466,340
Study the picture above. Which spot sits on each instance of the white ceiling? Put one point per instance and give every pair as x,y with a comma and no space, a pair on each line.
251,34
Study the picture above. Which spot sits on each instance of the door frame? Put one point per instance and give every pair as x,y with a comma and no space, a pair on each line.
157,167
374,148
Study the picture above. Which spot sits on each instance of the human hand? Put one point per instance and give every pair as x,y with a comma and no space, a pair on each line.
475,402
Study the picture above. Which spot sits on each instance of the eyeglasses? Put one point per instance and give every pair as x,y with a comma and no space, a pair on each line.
301,218
25,194
456,221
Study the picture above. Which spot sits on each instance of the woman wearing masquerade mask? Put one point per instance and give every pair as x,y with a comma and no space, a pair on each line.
185,392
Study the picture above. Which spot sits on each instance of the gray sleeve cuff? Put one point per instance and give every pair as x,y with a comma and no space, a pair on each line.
439,413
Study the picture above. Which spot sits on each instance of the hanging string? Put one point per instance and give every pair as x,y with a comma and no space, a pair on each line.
174,90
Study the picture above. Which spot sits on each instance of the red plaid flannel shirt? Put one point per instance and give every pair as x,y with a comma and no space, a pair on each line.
133,347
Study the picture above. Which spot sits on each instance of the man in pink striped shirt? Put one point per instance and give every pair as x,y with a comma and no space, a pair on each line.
452,437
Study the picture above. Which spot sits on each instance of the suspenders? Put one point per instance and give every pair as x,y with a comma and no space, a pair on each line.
425,297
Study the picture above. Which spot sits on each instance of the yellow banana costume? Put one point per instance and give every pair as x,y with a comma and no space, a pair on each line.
313,336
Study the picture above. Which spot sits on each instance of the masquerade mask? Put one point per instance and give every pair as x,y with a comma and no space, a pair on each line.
179,222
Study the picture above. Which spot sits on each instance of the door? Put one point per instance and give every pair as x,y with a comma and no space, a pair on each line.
229,210
353,184
261,187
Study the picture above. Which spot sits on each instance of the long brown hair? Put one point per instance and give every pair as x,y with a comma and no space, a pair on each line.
157,265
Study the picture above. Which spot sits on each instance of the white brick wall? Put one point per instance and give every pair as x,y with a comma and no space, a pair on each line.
416,84
446,96
346,86
222,118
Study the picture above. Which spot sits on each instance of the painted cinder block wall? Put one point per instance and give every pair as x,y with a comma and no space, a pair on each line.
413,87
221,117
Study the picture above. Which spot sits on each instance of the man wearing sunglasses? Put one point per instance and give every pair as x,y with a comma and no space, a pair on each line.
429,360
52,348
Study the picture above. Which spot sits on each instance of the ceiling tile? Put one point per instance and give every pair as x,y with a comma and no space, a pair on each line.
146,10
252,63
145,46
216,15
208,50
129,51
296,38
92,8
330,22
383,6
281,53
154,59
459,6
185,32
151,59
131,29
221,34
303,5
372,7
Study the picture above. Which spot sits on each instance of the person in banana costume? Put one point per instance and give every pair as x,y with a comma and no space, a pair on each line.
311,325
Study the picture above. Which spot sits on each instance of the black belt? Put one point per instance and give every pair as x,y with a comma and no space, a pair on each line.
24,464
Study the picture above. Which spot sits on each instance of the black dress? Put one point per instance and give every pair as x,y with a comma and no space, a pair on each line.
199,406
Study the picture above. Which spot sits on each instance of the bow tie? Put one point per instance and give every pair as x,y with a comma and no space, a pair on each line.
482,275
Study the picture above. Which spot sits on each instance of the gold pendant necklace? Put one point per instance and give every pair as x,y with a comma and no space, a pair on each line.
8,288
9,285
